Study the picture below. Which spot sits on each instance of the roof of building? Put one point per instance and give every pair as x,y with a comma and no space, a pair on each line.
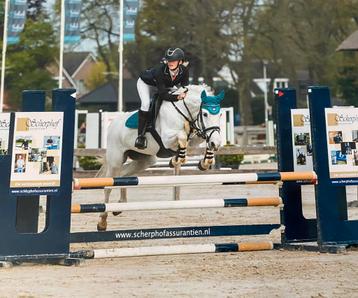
350,43
108,93
73,60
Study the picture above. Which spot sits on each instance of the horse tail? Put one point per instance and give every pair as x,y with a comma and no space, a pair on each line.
103,169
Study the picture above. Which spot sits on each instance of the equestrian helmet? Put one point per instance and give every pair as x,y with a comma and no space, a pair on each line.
173,54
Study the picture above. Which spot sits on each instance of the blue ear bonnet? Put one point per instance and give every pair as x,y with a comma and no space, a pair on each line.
212,103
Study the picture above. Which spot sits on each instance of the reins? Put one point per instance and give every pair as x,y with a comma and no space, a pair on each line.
197,126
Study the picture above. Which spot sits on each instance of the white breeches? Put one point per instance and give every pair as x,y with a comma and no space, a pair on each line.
146,93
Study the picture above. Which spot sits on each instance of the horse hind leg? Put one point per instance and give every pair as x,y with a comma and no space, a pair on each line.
122,199
102,223
136,166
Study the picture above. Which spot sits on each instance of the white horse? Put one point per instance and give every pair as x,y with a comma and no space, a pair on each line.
195,119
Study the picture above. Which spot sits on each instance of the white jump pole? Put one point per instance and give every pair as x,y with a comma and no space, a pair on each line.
167,205
195,179
174,250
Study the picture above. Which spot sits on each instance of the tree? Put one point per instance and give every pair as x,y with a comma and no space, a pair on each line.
239,34
35,9
347,78
242,29
196,26
274,44
304,34
96,77
100,24
28,61
2,18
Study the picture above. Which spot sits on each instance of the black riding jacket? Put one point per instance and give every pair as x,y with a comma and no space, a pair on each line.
159,77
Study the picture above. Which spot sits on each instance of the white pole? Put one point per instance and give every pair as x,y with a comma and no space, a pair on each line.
62,37
120,50
3,59
265,92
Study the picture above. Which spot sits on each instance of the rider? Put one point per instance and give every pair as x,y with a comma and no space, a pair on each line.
158,79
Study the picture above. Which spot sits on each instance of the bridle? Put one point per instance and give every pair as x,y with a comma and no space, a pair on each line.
197,125
203,132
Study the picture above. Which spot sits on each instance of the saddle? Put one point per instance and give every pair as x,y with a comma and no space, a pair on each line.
154,108
132,122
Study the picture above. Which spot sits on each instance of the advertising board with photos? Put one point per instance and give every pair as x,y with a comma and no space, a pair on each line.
342,140
301,140
4,132
36,156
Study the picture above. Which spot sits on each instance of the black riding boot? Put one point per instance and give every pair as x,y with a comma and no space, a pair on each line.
141,141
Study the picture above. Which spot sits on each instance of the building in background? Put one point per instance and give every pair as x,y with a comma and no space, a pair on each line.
105,97
76,67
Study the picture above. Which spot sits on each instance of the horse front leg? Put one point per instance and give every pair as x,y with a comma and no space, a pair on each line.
180,157
208,161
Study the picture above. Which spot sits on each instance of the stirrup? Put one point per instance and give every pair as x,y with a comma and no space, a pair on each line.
141,142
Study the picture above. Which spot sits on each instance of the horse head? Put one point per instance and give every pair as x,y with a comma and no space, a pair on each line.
210,118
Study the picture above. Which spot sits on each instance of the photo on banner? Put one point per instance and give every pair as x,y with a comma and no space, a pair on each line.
36,160
342,142
301,140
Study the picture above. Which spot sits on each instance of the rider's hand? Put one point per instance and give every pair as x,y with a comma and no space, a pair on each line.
181,96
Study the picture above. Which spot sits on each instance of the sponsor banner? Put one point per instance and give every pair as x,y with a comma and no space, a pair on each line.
301,140
72,21
342,144
4,132
36,156
131,8
16,20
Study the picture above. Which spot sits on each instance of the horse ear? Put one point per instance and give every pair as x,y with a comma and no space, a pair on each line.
221,95
203,95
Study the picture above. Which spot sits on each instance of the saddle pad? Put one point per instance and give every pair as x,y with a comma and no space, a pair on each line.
132,121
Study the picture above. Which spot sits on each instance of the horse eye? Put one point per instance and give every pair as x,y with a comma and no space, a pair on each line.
205,114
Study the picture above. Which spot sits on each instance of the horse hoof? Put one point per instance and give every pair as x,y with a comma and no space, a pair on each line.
171,165
116,213
101,228
200,166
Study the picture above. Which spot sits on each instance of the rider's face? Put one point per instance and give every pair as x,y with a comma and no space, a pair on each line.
173,64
